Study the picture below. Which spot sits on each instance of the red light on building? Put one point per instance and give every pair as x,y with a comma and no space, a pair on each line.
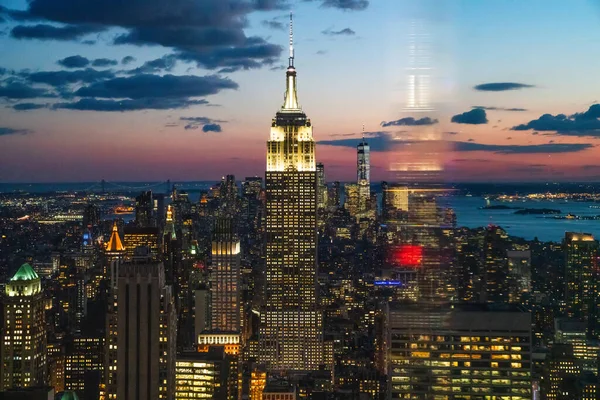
409,255
199,265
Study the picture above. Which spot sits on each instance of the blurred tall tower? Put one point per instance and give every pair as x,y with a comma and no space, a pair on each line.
23,345
419,67
412,201
291,336
421,161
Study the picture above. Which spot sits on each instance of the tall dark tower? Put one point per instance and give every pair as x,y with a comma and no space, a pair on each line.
291,334
143,210
581,275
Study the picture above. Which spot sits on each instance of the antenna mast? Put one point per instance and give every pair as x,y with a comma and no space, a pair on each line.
291,41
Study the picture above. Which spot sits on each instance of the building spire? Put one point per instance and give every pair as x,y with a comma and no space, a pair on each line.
115,244
363,133
291,97
291,41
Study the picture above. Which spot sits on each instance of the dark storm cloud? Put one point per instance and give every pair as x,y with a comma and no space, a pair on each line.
166,63
410,121
501,86
207,124
342,32
355,5
155,86
104,62
184,37
50,32
254,54
208,32
580,124
74,62
211,128
127,60
136,13
474,117
28,106
129,105
11,131
500,108
272,24
18,90
62,78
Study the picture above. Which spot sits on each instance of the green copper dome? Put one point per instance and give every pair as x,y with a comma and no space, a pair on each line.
68,395
25,273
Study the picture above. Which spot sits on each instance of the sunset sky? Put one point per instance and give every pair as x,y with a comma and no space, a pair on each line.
185,89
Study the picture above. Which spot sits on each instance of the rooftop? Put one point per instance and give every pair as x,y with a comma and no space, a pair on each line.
25,273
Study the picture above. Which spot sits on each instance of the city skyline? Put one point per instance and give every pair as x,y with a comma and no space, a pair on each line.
492,88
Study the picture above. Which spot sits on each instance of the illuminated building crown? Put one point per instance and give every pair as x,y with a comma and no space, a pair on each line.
25,282
115,244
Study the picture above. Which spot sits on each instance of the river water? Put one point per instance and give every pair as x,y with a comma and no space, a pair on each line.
544,227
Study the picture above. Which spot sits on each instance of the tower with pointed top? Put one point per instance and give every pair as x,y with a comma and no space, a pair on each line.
291,334
363,173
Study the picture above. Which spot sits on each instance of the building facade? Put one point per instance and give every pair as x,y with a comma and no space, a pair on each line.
225,278
202,376
23,347
581,279
363,174
141,334
475,352
291,336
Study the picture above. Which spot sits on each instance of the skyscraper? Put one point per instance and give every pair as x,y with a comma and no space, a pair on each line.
291,326
363,174
581,276
141,333
450,353
252,186
144,208
23,346
321,186
204,375
225,278
135,237
335,195
84,364
351,201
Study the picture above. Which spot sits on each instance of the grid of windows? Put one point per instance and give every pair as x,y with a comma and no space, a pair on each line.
291,327
453,359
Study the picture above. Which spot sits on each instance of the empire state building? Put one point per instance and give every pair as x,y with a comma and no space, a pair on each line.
291,334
